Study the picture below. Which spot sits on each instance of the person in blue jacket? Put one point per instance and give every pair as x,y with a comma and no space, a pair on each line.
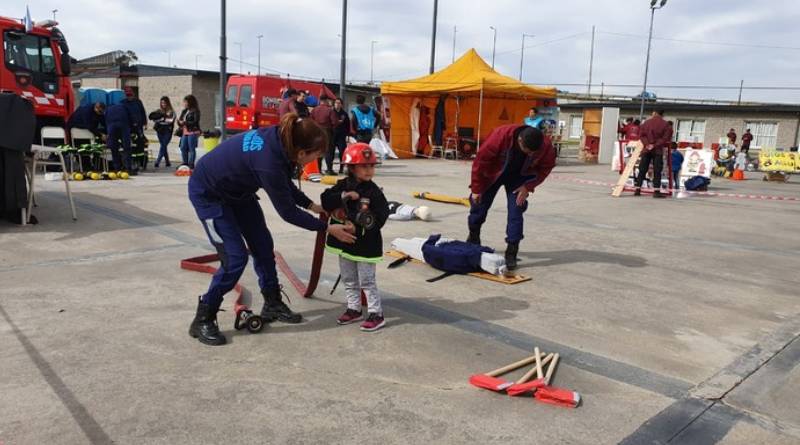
223,189
89,117
118,125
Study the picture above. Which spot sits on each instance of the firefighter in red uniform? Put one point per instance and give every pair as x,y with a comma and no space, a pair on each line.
656,134
518,158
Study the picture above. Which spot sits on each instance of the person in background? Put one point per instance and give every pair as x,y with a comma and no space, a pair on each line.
138,122
341,130
164,128
732,136
326,118
677,163
747,138
533,119
89,117
118,124
632,131
423,148
622,130
300,104
363,120
655,136
289,102
189,122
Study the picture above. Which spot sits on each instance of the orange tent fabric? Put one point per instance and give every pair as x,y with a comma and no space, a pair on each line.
505,99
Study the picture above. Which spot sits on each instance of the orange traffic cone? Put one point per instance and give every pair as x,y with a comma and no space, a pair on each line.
311,169
738,175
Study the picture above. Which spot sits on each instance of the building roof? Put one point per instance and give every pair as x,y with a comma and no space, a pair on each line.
143,71
677,106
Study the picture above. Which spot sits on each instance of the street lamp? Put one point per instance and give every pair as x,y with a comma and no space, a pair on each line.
240,55
371,61
494,43
653,8
196,61
259,37
54,14
169,58
522,55
455,31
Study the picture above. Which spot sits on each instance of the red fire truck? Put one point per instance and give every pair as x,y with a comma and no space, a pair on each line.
36,66
253,101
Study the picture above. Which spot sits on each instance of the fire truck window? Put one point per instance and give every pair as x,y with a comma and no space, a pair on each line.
230,98
244,96
28,52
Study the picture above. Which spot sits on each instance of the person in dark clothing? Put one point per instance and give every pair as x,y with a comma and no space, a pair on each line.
138,124
341,130
118,124
656,134
747,138
89,117
326,118
189,122
300,104
677,163
288,104
518,158
358,202
364,120
164,126
223,189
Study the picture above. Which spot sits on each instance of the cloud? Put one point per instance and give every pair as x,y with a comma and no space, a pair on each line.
300,38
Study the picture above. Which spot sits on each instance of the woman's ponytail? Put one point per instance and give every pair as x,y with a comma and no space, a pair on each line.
298,134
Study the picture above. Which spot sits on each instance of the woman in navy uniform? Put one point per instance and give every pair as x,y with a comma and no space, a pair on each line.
223,189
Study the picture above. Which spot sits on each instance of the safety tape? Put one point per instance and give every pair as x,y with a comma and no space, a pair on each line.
683,192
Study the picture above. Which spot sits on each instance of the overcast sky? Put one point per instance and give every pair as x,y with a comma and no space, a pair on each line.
304,40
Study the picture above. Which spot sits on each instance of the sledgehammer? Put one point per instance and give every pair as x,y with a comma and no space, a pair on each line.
490,381
523,385
556,396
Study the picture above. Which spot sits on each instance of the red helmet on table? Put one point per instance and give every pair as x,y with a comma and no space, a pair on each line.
359,154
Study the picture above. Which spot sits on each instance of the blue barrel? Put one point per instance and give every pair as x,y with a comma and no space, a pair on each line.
92,95
115,96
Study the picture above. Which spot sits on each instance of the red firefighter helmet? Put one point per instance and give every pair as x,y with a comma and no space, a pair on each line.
359,154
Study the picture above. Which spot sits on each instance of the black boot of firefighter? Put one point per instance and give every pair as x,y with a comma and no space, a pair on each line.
275,309
474,235
511,255
204,326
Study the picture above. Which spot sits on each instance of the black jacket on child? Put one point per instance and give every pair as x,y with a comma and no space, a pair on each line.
369,243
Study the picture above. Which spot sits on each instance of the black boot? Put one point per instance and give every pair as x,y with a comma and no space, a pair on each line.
637,191
658,194
511,255
474,236
275,309
204,326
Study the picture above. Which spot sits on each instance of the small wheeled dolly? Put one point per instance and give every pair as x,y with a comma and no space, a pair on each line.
245,318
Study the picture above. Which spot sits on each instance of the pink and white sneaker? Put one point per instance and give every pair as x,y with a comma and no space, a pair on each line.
373,322
350,316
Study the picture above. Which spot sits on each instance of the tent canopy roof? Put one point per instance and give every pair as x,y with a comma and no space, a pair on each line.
466,76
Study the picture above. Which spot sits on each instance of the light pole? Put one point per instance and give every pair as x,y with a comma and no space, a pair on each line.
169,58
653,8
455,30
196,60
494,43
240,55
371,61
433,34
259,37
54,14
342,64
223,62
522,54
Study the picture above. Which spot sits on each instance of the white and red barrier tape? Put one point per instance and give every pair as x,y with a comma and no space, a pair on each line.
687,192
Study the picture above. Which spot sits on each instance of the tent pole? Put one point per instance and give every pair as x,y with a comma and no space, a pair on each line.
480,118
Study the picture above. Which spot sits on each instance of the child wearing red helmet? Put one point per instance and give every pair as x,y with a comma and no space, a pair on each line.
359,201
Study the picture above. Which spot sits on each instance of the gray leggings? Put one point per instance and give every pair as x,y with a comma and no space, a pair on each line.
358,276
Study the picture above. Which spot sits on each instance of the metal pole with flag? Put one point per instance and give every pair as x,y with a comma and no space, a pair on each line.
27,20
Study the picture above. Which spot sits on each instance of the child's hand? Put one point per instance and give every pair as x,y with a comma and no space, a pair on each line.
350,195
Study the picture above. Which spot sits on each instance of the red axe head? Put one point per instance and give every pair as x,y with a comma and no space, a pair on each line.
491,383
522,388
557,396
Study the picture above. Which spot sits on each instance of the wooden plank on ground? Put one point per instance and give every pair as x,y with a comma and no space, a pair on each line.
623,178
505,279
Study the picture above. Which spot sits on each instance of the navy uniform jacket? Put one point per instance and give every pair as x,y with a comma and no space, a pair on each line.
118,115
85,117
136,111
233,172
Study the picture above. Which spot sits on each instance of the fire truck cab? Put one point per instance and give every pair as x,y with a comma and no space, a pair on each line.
36,65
